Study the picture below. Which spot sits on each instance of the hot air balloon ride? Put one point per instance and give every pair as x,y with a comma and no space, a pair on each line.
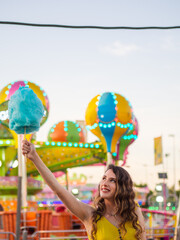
66,131
109,117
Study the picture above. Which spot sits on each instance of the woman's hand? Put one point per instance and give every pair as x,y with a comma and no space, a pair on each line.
28,150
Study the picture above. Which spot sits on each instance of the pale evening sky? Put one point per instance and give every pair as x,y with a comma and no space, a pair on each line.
74,65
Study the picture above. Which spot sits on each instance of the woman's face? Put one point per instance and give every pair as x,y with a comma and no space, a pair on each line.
108,185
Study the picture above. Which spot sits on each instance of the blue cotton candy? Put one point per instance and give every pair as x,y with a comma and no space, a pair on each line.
25,111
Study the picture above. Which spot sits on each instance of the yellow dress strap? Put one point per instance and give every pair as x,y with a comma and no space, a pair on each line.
137,204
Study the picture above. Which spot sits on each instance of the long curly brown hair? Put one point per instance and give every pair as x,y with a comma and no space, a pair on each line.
124,202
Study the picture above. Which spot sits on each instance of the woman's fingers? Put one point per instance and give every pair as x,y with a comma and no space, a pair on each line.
25,142
26,150
25,147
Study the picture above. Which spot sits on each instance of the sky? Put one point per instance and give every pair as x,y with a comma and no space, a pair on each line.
74,65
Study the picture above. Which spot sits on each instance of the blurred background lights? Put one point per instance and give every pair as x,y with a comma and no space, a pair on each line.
75,191
159,199
158,188
15,163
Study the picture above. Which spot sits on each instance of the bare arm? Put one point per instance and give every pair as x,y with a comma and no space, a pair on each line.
141,222
81,210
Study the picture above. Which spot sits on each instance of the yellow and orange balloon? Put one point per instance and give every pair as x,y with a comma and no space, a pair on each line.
109,117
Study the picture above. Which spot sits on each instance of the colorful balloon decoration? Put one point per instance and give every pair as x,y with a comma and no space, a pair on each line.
125,141
10,89
66,131
109,117
5,132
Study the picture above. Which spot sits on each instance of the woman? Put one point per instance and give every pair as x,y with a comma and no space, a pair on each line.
115,215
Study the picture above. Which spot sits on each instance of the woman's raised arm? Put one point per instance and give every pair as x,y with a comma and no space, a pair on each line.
81,210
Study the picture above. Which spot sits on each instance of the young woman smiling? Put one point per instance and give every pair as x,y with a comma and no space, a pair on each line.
115,215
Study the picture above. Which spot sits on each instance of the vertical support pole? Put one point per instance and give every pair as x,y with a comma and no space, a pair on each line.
19,155
109,159
164,194
174,161
174,158
18,216
24,195
151,225
24,183
24,192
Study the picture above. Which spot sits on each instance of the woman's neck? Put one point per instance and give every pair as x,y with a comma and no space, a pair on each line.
110,207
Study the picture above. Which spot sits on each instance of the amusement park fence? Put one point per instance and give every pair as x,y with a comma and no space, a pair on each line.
43,225
151,233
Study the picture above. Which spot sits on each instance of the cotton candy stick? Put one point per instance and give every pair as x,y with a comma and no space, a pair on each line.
19,197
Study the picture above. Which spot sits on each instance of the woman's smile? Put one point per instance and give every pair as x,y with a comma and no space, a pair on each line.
108,185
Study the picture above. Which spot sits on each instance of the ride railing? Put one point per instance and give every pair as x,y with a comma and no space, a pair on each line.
43,225
151,234
7,235
68,234
160,233
33,221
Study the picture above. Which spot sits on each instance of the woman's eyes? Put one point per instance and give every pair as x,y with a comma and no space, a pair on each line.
112,180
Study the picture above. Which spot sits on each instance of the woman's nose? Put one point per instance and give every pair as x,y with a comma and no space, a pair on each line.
105,182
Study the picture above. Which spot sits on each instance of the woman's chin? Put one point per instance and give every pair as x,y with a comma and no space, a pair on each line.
105,195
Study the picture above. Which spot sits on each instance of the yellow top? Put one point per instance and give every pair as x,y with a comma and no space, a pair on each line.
107,231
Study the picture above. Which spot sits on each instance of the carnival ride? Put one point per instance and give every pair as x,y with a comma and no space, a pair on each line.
109,116
66,146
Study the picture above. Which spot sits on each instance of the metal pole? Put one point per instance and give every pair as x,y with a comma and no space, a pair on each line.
18,215
109,159
24,191
24,195
174,164
164,193
174,161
